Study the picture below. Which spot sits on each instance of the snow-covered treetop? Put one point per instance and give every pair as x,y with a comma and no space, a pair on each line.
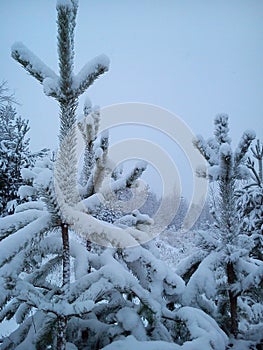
67,3
218,152
222,129
67,83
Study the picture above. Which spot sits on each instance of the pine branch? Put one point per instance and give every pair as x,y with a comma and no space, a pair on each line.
89,73
221,129
257,152
243,146
200,144
129,180
32,64
251,165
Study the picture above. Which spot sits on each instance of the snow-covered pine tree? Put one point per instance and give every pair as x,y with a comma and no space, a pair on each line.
250,199
102,187
5,97
221,274
100,297
14,155
65,89
151,204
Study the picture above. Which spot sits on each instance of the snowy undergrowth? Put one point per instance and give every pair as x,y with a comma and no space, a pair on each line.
175,245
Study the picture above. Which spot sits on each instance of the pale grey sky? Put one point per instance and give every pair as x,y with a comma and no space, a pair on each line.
196,58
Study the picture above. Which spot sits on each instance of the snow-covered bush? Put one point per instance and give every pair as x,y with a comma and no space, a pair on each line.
14,155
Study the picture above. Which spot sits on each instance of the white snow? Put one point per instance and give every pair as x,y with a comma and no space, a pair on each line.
33,62
205,332
101,61
225,150
87,105
129,318
66,3
26,191
27,174
12,244
51,86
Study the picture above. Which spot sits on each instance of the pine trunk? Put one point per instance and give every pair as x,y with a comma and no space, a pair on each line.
62,320
231,277
66,259
61,336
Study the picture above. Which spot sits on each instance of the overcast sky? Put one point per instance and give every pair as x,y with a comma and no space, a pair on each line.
196,58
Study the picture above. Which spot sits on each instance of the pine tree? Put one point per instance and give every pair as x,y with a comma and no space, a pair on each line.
65,89
14,155
250,199
222,274
5,97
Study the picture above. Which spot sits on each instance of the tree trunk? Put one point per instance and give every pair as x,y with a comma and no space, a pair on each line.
66,259
61,336
62,320
231,277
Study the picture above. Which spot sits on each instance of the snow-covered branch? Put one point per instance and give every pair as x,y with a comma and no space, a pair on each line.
34,65
89,73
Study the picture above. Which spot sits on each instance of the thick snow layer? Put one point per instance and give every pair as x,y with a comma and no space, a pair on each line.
87,105
214,172
93,202
34,64
250,134
204,331
39,205
27,174
67,3
70,346
225,150
130,343
128,318
20,219
11,205
90,69
51,86
102,232
43,178
202,281
26,191
11,245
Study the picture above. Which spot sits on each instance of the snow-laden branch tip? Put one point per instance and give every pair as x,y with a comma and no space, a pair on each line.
32,63
243,146
89,73
70,4
12,244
